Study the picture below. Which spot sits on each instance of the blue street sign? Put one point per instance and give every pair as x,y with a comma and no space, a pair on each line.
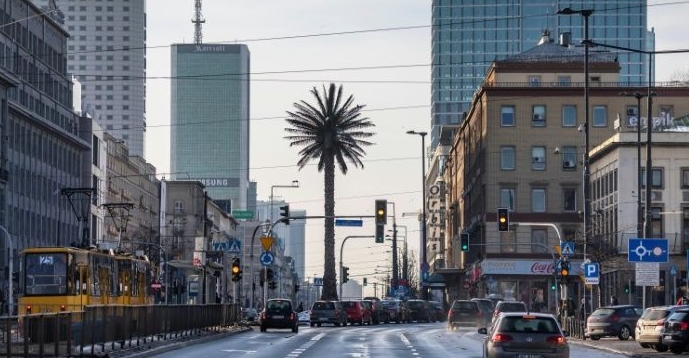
591,273
673,270
266,258
234,245
567,248
343,222
648,250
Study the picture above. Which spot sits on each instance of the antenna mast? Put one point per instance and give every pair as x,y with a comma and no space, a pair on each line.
198,20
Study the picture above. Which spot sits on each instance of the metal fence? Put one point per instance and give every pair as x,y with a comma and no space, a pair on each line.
100,329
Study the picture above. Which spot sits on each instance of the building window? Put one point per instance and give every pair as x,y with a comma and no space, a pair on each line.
656,178
569,158
685,178
507,198
685,224
569,115
538,158
600,116
538,200
538,116
539,237
507,158
534,81
569,199
507,241
564,81
179,207
507,116
657,229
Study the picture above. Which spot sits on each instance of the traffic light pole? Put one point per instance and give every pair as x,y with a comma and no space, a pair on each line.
342,247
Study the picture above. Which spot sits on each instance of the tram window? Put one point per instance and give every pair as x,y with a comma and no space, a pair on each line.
46,274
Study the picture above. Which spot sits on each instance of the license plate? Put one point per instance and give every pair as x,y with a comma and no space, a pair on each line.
528,356
667,337
650,328
278,317
323,319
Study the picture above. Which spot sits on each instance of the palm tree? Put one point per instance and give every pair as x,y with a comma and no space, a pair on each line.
331,130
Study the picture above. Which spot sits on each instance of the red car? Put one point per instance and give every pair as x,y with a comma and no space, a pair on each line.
357,313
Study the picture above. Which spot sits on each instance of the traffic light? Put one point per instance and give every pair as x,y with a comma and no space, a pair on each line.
380,234
345,274
236,270
272,285
365,281
503,219
552,286
269,274
464,244
564,269
284,213
626,289
381,212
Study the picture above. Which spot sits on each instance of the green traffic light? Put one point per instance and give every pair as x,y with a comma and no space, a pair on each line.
465,247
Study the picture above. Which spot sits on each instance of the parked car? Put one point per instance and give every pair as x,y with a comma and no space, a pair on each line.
464,313
508,306
487,308
393,309
357,313
279,313
330,312
613,321
417,310
249,314
523,334
676,331
649,328
304,317
438,313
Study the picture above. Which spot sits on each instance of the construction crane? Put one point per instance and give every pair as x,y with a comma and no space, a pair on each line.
198,20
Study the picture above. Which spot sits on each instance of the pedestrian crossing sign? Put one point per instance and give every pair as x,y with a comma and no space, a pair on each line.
567,248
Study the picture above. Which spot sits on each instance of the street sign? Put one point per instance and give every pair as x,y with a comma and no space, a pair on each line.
234,245
267,242
647,274
243,214
266,258
318,281
592,273
567,248
648,250
344,222
673,270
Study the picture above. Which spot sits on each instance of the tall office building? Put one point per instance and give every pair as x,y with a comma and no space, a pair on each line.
209,138
107,53
467,35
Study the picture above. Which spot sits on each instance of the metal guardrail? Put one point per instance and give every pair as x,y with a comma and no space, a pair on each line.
575,326
100,329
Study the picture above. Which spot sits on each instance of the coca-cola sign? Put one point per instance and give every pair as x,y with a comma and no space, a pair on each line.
519,267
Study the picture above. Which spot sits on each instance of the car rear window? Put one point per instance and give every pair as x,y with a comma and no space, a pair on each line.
511,307
415,304
465,306
389,304
516,324
679,316
323,306
603,312
348,304
655,314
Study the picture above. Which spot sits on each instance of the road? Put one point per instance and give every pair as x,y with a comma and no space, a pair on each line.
418,340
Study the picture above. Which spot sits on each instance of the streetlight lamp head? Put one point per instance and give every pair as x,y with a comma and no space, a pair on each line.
565,11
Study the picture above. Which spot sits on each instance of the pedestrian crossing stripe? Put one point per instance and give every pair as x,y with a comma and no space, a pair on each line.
567,248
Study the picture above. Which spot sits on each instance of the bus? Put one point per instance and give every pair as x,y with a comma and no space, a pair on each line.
59,279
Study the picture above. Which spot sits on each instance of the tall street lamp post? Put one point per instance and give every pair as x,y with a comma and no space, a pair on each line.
295,184
424,264
639,179
395,265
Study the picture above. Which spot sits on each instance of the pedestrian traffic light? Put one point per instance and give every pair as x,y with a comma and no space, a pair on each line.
269,274
381,212
284,213
464,244
503,219
345,274
236,270
380,234
626,288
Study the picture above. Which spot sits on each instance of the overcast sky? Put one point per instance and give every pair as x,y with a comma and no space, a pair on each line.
285,64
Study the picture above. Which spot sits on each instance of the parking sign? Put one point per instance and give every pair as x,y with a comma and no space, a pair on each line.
592,273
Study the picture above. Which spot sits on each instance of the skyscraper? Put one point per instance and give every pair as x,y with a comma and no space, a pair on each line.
107,53
467,35
209,138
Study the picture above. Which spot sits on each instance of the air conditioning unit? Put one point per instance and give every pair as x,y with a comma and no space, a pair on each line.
568,164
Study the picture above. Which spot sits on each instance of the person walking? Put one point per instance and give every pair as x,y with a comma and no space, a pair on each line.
613,300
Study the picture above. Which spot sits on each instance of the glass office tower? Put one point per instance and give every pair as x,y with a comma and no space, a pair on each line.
468,35
209,138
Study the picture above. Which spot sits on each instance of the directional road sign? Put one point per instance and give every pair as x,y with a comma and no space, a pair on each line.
648,250
592,273
344,222
266,258
243,214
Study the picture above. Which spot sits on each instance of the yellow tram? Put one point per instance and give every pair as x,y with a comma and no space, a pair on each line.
54,279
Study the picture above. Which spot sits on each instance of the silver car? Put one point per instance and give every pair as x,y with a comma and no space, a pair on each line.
522,334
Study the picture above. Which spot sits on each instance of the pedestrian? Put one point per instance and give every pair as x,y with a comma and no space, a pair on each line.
613,300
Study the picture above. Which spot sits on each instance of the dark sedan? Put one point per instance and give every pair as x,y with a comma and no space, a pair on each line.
279,313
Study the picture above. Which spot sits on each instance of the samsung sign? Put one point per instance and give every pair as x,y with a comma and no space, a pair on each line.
217,182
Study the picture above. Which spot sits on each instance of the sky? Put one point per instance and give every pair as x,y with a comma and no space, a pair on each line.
296,45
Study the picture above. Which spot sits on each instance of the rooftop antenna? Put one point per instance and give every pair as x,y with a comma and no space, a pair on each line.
198,20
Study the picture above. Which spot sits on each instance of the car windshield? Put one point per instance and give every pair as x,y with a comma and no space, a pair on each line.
516,324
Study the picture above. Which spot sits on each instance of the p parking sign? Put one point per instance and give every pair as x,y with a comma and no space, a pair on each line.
592,273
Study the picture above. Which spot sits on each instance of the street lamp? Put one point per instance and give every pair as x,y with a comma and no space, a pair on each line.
295,184
640,216
424,264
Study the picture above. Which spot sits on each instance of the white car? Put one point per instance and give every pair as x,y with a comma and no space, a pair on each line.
304,317
249,314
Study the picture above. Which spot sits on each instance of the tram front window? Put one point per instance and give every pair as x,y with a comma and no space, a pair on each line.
46,274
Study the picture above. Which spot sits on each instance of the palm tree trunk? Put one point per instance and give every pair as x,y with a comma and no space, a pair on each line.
329,275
